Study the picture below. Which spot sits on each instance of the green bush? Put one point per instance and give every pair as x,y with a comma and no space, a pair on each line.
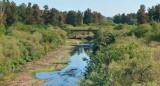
155,33
103,37
25,43
35,37
2,30
143,30
22,27
105,23
125,62
10,48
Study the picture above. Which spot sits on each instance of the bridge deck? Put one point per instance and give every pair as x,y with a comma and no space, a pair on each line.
84,30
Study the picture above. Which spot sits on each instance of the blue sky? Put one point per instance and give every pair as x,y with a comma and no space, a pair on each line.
106,7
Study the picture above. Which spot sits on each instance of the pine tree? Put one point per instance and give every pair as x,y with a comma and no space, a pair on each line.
79,18
11,13
151,13
64,17
53,16
37,13
22,13
87,17
124,18
72,18
30,18
117,19
46,14
100,17
2,8
157,13
95,17
142,17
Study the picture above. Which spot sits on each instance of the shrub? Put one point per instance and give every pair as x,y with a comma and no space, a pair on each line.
2,30
22,27
143,30
121,63
35,37
10,47
25,43
104,37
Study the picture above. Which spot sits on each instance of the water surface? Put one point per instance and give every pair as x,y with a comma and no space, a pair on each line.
70,75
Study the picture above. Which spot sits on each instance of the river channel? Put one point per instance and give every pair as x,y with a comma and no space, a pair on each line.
70,75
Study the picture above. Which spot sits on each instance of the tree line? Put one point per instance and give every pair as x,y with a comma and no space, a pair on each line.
33,15
141,17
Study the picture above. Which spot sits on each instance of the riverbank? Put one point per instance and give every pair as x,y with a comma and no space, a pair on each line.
54,60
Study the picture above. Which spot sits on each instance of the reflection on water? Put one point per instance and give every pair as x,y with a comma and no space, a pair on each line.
71,74
79,50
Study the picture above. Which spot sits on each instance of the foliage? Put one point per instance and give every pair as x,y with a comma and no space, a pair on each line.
142,30
26,43
155,32
142,17
87,16
74,18
154,13
126,61
2,30
130,19
104,38
33,15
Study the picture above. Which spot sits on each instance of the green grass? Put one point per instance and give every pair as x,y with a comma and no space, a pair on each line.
67,52
61,61
49,69
7,78
32,72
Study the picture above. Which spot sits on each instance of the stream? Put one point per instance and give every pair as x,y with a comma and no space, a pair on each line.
70,75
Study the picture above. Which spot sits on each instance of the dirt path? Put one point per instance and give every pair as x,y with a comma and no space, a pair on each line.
25,78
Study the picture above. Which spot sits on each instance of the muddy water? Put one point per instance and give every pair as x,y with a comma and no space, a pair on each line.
70,75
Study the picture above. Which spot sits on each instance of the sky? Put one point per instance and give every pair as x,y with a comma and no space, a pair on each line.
107,8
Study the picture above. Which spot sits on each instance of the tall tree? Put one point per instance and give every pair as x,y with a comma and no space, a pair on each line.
53,19
32,15
87,16
72,18
37,13
79,18
151,12
2,8
154,13
100,17
46,14
64,17
157,13
95,17
124,18
117,19
29,13
11,13
142,17
22,13
131,19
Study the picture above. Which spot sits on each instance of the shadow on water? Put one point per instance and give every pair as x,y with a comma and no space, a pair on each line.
70,75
